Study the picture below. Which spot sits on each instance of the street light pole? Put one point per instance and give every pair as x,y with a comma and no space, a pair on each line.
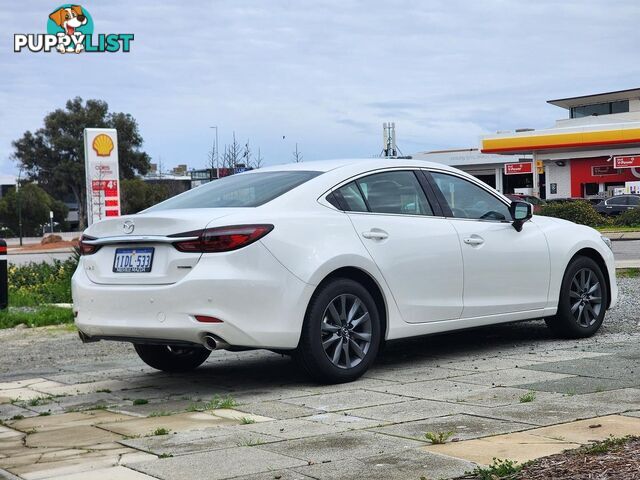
19,202
216,150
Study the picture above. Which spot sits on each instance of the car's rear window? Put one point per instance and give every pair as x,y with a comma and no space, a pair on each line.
244,190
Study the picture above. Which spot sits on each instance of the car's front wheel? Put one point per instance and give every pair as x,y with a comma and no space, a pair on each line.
583,300
172,358
341,333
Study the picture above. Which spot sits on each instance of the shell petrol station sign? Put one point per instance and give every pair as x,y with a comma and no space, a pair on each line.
102,174
518,168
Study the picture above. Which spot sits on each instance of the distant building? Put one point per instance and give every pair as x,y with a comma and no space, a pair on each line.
7,182
594,153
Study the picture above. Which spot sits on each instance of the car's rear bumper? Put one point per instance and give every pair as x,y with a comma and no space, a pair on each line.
260,303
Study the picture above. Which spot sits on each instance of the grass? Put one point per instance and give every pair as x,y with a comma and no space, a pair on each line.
165,455
528,397
140,401
621,228
159,414
45,414
249,442
35,316
161,431
17,417
606,445
246,421
438,438
103,390
32,288
628,272
499,469
34,402
217,402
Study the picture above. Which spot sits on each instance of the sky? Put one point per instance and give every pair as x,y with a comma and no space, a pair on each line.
324,74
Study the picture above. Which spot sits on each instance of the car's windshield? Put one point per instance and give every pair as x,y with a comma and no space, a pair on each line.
244,190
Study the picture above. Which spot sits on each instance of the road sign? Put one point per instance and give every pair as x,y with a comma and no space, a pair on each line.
518,168
102,174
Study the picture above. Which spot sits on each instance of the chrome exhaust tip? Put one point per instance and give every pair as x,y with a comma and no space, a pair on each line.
210,343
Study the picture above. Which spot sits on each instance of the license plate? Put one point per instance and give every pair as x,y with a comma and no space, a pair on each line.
133,260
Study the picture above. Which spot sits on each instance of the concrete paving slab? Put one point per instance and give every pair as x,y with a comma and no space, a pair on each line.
511,377
410,410
331,402
84,464
402,465
197,441
174,423
500,396
332,447
405,375
71,437
550,412
20,383
8,411
614,367
594,429
462,427
275,409
19,395
276,474
294,428
75,419
86,401
489,364
579,385
218,464
558,355
344,419
520,447
111,473
434,389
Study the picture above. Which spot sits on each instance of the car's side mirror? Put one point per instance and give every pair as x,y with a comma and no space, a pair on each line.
520,213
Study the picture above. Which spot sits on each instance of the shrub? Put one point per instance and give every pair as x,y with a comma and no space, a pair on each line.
630,218
578,212
37,283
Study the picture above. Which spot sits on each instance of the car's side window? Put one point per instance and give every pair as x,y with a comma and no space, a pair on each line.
352,198
397,192
617,201
467,200
634,200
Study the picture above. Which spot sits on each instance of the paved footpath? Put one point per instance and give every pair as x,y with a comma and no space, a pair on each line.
73,411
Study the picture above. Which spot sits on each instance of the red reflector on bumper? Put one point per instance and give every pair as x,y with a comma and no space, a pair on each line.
205,319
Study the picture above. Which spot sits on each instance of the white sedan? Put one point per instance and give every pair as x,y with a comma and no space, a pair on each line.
327,260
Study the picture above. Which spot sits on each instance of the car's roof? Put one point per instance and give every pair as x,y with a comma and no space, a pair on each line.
364,163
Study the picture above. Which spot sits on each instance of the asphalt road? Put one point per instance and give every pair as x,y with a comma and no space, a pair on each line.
627,250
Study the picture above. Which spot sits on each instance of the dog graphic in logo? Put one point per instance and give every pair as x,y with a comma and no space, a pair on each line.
69,19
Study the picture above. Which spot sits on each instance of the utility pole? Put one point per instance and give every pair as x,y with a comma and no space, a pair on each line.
19,201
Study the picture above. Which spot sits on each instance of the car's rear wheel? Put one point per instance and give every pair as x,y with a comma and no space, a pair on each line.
583,300
341,332
172,358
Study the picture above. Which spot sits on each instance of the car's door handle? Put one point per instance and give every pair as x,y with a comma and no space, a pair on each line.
375,235
473,241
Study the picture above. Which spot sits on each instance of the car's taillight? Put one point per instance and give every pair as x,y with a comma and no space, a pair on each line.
85,248
222,239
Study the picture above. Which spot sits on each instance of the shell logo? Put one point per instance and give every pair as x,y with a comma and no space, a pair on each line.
103,145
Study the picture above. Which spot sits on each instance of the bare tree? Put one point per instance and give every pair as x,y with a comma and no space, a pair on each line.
233,153
297,155
212,164
258,160
247,155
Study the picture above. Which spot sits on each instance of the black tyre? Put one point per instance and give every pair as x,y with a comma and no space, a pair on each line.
583,300
172,358
341,332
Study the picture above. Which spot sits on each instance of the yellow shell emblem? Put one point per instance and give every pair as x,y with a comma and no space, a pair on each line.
103,145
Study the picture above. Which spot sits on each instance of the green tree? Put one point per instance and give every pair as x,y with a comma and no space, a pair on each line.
35,204
138,195
54,155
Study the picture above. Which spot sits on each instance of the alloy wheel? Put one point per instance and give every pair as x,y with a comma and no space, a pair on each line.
346,331
585,296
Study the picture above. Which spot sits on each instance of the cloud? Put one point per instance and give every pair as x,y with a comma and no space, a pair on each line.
324,74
